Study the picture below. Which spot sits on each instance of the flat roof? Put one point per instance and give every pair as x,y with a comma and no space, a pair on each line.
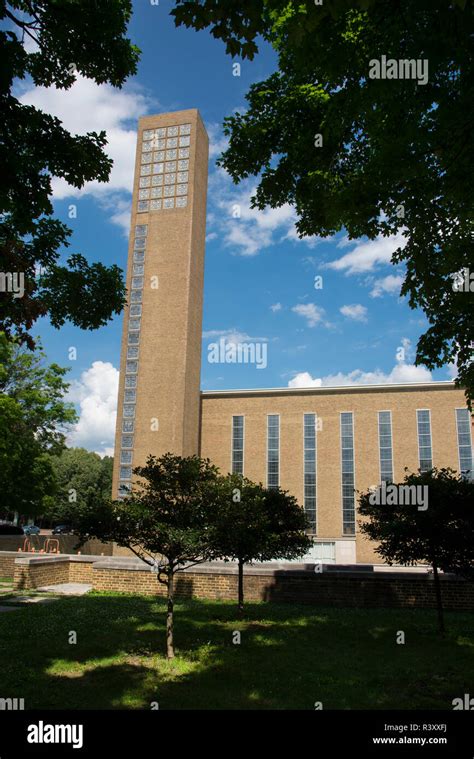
441,385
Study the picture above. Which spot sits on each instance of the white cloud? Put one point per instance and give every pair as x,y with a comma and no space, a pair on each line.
390,284
276,307
409,373
246,239
120,209
356,311
247,230
405,351
365,256
313,314
218,142
310,242
232,336
452,369
96,395
401,373
88,107
304,379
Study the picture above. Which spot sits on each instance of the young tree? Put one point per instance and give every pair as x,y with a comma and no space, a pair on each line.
165,521
351,146
256,524
434,524
34,419
53,42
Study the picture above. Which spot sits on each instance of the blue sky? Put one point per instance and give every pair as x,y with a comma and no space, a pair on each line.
259,278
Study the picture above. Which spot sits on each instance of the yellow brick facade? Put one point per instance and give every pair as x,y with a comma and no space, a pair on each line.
441,399
160,406
166,410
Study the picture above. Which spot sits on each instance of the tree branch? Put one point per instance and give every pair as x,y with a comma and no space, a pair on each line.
25,27
140,556
188,566
158,576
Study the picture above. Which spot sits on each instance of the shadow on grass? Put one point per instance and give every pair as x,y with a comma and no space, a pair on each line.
288,656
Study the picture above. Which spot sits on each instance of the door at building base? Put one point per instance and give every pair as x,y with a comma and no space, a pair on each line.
323,552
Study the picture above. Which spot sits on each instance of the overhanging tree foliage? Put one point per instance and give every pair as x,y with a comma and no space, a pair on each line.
396,157
34,418
74,38
442,535
257,524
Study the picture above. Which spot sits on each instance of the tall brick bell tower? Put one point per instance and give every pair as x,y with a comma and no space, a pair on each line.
159,391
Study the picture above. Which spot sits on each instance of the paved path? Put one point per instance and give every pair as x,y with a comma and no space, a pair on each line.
63,589
67,589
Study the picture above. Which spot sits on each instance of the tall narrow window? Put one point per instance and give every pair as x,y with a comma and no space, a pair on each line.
347,469
385,446
424,439
131,365
310,469
463,423
273,450
237,445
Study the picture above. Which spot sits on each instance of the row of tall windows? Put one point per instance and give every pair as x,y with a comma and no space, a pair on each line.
385,445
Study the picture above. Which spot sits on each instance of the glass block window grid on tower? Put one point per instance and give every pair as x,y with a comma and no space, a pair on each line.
164,161
131,364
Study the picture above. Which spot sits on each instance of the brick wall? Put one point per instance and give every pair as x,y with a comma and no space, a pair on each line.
33,573
329,588
169,366
7,563
80,571
127,581
376,590
328,403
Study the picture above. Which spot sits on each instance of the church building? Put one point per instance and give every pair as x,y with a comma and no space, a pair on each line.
323,444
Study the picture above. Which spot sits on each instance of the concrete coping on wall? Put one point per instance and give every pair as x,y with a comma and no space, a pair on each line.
43,558
137,565
362,572
288,570
11,553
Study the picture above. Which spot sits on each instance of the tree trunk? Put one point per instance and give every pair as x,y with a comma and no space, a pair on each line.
439,600
169,616
241,586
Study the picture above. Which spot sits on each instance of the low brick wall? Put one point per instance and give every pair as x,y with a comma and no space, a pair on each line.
80,568
380,589
261,583
328,588
33,572
219,585
7,563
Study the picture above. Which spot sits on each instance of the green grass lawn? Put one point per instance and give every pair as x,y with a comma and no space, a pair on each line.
289,658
